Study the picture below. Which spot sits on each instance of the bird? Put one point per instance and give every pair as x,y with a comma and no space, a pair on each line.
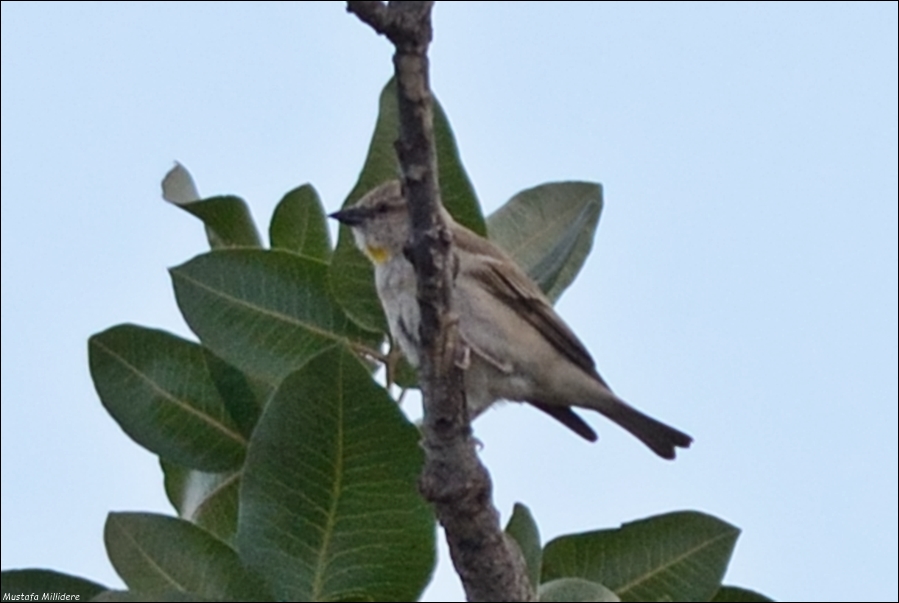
518,348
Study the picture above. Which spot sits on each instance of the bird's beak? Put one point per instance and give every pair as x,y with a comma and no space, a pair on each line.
351,216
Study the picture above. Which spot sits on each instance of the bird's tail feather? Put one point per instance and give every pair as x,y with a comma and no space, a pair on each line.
662,439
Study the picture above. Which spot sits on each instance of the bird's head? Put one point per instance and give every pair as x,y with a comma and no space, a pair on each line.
380,222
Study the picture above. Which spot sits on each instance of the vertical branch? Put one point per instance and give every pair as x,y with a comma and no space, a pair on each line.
454,480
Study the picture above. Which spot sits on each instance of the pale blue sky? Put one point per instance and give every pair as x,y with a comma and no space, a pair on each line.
743,284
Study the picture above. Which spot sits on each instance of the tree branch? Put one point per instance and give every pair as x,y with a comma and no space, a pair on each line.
454,480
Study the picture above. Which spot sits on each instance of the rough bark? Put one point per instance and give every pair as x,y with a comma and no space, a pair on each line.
453,480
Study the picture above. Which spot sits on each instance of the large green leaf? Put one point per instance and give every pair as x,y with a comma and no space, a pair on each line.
329,506
227,218
456,191
735,594
299,224
157,553
158,389
674,557
351,273
523,529
575,589
264,312
381,164
243,396
549,231
209,500
17,584
353,282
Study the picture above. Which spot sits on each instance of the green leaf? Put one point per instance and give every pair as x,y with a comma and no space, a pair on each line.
549,231
351,273
523,529
209,500
575,589
329,507
299,224
264,312
14,583
158,389
227,218
456,191
243,396
675,557
157,553
353,283
735,594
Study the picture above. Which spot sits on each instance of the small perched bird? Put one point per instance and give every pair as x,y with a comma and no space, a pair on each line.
519,348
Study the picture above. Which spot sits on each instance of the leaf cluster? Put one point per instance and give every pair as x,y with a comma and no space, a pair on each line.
293,472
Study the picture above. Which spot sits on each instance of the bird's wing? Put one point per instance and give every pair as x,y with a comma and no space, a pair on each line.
502,277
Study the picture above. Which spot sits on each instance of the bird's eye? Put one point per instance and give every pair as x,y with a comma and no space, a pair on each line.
381,208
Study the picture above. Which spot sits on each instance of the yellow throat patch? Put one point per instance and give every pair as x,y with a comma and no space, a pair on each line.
378,255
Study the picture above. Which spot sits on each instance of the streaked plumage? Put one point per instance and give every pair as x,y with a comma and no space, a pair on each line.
520,349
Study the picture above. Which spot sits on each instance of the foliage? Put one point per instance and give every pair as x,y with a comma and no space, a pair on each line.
292,471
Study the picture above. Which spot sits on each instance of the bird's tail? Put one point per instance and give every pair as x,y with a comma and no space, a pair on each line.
662,439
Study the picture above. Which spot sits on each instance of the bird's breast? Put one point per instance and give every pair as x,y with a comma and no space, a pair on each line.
396,286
